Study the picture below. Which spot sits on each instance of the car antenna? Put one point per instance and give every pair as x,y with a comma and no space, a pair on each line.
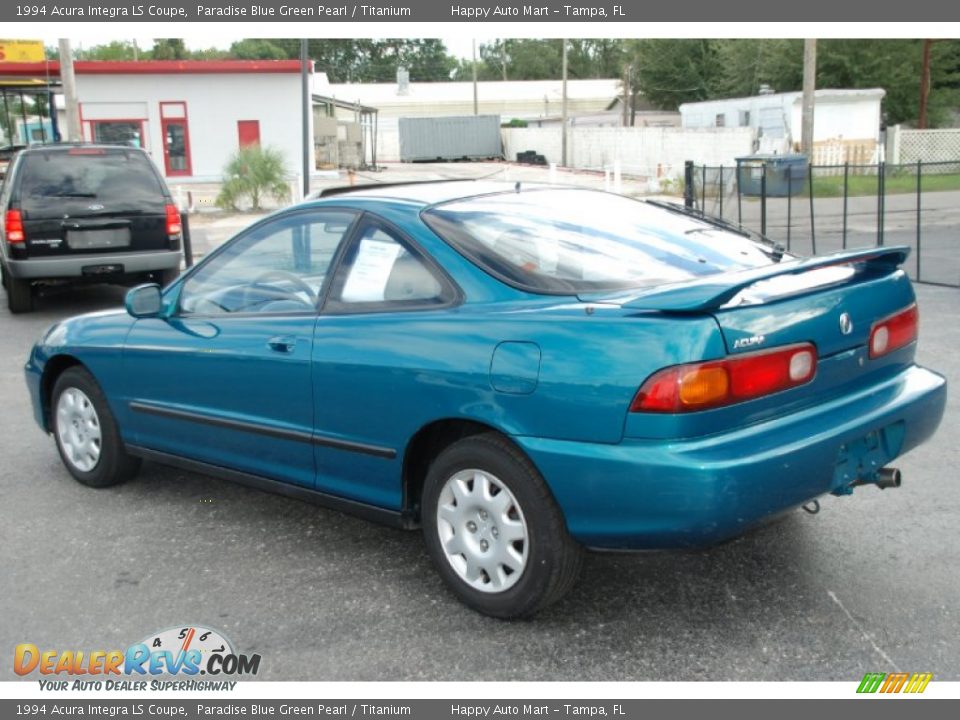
517,186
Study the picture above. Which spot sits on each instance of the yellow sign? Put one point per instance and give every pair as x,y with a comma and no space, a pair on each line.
21,51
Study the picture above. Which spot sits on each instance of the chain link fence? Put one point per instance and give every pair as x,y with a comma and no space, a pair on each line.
818,209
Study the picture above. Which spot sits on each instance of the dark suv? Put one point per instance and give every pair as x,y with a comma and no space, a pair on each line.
85,213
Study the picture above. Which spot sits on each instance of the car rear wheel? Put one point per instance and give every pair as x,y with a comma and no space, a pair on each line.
86,433
494,531
19,295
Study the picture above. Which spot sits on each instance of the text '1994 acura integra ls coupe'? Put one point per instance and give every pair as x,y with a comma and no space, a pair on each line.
522,371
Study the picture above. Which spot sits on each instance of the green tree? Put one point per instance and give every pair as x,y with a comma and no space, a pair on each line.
254,49
169,49
671,72
253,172
114,50
746,65
895,66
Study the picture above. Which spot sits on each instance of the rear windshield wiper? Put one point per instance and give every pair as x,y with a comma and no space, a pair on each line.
73,194
776,250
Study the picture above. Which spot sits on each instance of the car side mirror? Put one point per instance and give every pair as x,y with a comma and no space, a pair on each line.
143,301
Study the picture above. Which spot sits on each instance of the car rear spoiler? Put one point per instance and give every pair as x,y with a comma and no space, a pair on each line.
715,291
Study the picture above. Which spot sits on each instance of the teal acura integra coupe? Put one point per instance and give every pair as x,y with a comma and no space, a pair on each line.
522,371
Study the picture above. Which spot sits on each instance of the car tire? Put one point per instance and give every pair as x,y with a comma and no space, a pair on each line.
19,295
494,531
86,433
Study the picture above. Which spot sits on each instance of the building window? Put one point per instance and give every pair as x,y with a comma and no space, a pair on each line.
248,132
721,120
744,118
118,132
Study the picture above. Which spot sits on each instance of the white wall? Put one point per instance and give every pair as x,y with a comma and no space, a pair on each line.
640,151
215,103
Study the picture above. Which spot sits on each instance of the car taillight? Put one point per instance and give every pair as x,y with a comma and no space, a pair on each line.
13,224
715,383
174,225
894,332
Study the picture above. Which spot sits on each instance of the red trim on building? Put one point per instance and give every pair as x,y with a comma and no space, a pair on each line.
154,67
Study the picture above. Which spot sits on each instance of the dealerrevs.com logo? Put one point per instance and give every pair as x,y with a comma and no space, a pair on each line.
188,652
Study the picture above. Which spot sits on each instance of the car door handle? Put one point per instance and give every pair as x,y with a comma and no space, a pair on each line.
283,344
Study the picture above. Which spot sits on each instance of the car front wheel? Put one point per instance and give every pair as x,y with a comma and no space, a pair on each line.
494,531
86,433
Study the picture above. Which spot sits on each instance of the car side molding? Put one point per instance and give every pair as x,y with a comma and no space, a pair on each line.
383,516
260,429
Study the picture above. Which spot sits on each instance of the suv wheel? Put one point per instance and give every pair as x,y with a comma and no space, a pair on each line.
494,531
19,295
86,433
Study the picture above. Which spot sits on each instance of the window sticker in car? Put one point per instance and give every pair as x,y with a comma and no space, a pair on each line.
368,276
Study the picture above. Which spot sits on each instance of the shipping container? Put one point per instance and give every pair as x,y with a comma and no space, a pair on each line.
471,137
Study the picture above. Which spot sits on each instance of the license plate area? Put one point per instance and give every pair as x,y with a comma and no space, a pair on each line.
99,238
112,269
863,457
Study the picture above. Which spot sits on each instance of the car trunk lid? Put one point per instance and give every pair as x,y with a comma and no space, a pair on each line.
830,300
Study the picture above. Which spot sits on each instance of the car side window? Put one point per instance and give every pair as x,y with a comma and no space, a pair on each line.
380,271
278,267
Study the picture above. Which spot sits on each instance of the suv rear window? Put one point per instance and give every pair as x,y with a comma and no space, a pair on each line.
111,177
561,241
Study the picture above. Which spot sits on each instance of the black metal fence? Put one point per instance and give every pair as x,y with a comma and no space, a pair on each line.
813,209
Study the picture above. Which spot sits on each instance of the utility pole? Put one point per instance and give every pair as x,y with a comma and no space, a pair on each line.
626,94
69,81
476,106
809,90
306,101
563,110
925,85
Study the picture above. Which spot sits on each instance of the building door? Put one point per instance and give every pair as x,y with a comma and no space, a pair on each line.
248,132
176,138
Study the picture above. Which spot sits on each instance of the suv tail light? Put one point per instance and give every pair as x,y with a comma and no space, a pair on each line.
712,384
13,224
174,224
894,332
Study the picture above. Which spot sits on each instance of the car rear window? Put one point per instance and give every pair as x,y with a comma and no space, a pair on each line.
560,241
86,174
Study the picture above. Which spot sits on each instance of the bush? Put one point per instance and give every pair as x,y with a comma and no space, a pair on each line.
253,172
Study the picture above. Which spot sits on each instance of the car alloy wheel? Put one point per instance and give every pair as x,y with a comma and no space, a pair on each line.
482,530
78,429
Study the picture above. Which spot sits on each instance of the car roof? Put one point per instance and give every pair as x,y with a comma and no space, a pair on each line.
429,192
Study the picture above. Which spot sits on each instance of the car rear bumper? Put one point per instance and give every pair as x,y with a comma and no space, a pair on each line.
643,494
70,266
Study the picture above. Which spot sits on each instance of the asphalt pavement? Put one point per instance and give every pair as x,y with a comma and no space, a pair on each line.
868,584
